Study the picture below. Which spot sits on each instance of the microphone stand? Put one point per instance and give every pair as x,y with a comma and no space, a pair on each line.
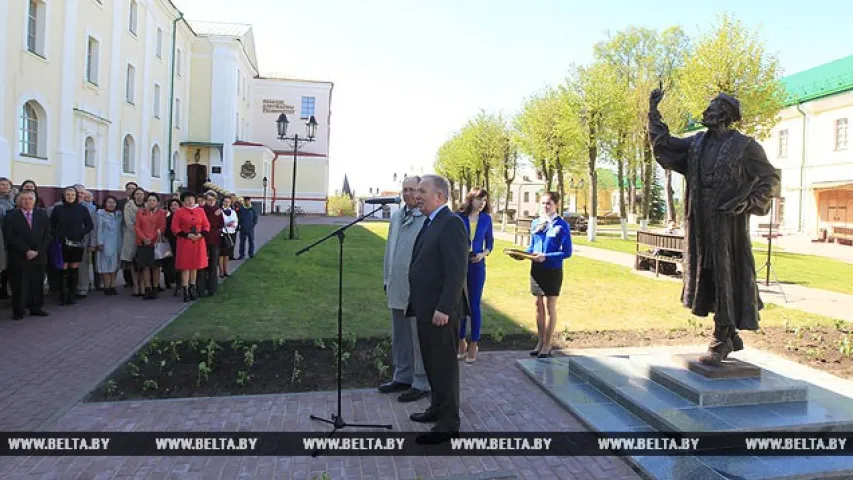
337,420
768,264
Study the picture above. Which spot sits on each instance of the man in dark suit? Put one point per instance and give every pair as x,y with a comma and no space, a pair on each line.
436,277
27,232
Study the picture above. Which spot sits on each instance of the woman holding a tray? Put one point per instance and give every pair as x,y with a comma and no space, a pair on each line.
550,244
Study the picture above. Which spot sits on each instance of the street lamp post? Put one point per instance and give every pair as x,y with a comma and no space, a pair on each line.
294,142
264,182
576,185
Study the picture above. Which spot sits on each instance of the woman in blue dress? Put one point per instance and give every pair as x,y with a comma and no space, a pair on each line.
550,243
475,212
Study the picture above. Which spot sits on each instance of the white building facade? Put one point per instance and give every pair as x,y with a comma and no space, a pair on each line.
811,148
108,92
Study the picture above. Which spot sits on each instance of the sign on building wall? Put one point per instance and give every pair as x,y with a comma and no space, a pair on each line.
278,106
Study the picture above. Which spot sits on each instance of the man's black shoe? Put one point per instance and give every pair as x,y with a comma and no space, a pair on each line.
18,316
434,437
392,387
412,395
39,313
425,417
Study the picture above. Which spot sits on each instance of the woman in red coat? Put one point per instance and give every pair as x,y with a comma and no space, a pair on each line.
190,225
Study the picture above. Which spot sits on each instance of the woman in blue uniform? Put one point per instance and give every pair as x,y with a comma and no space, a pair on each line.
550,243
475,212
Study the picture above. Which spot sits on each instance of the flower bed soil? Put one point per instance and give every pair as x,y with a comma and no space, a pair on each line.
164,369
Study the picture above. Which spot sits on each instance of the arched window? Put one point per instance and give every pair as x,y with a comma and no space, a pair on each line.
133,20
155,161
32,135
89,153
128,158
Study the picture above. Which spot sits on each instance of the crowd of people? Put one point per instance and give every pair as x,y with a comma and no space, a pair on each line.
434,276
159,244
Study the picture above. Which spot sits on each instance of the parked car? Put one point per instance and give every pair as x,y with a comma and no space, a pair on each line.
577,221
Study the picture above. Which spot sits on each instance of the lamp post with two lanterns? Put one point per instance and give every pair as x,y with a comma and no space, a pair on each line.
294,142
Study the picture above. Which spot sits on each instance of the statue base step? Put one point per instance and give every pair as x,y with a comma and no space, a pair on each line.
730,368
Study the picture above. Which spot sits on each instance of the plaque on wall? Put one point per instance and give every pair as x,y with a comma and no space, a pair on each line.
247,170
216,169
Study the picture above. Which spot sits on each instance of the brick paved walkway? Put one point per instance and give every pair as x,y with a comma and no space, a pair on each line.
48,364
495,396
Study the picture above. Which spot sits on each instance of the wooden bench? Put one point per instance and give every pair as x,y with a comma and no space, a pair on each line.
522,231
769,231
845,234
659,248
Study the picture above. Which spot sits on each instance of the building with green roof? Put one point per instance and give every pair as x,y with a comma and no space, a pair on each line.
810,146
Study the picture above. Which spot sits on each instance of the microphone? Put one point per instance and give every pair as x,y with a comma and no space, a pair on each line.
382,200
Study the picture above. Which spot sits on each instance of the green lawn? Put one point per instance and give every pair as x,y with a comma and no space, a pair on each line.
806,270
281,295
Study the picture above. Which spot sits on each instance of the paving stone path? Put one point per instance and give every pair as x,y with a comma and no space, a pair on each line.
48,363
495,396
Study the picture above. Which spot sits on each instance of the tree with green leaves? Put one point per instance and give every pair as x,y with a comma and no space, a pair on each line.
732,59
592,92
534,124
641,60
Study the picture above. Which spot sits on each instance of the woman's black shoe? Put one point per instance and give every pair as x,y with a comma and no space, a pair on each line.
193,292
533,353
186,293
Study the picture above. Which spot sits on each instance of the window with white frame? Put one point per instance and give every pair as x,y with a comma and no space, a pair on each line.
155,161
156,101
36,26
178,58
128,155
93,51
178,113
133,19
89,152
307,107
176,158
841,134
159,42
783,143
130,85
32,136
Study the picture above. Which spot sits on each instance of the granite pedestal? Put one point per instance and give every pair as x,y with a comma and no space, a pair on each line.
660,392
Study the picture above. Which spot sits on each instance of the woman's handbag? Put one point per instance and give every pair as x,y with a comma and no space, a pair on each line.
162,249
54,254
227,240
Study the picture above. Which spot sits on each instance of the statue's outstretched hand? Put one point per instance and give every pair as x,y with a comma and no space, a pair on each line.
655,98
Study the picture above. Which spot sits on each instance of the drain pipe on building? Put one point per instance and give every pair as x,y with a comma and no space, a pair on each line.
172,100
802,170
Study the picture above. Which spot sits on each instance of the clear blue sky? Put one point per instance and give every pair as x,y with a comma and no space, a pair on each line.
408,74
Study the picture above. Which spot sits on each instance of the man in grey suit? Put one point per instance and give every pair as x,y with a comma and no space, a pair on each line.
436,278
409,374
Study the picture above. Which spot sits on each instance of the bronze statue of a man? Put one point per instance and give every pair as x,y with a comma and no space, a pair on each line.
728,179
